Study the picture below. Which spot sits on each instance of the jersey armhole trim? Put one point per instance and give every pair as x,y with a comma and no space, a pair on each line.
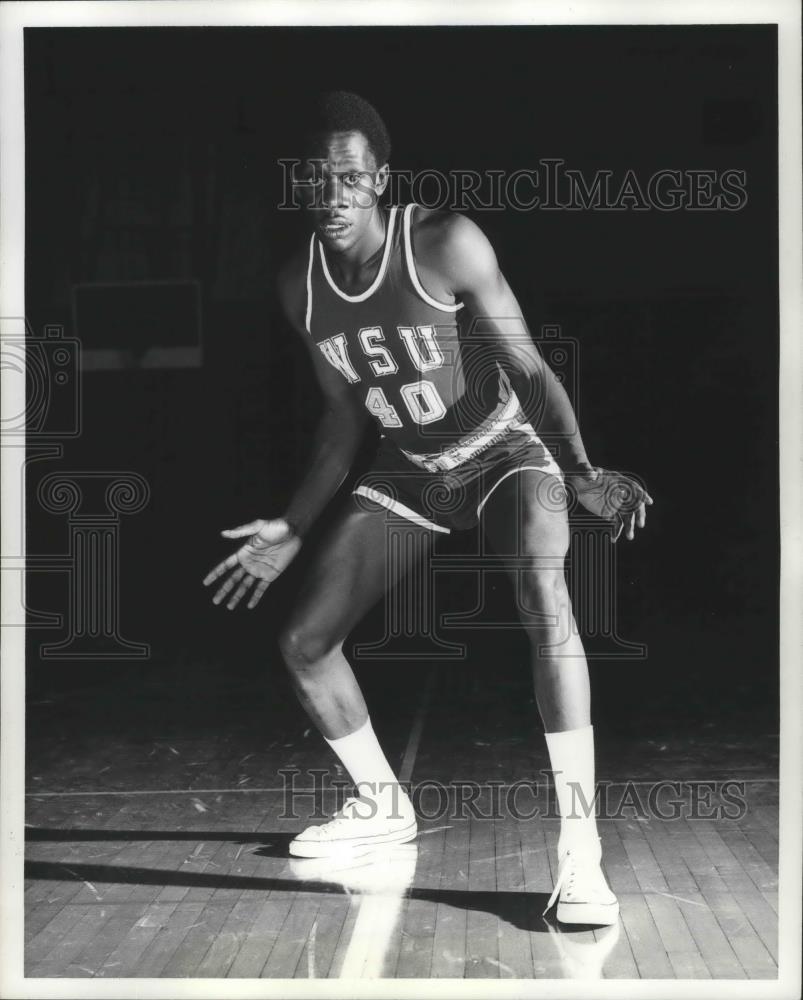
308,314
408,257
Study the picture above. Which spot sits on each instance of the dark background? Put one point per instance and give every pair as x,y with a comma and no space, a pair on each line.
151,155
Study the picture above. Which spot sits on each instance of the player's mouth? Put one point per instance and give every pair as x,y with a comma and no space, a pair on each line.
334,228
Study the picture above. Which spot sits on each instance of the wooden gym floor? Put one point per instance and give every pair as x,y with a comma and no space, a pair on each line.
157,847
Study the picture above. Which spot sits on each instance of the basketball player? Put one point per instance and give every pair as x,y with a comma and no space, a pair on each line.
398,308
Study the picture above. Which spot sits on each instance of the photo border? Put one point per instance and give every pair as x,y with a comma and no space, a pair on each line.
14,17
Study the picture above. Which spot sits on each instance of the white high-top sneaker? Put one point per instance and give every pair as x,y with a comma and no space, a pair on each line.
583,894
359,825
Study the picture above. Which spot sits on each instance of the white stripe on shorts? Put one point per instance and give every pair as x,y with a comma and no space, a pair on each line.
551,468
399,508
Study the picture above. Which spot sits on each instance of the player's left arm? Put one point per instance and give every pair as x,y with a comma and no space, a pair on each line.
468,264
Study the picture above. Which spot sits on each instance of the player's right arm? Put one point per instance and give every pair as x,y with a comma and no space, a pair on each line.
342,424
270,545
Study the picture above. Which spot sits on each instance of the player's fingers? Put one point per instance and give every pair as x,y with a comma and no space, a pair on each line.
259,590
221,592
641,515
213,574
647,498
243,530
238,594
617,526
631,520
229,563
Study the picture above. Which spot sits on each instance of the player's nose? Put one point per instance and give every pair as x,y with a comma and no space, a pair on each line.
334,193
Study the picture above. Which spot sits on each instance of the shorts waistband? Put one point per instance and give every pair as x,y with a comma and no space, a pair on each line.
491,431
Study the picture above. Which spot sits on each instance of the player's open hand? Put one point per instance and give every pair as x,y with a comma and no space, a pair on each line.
615,497
270,547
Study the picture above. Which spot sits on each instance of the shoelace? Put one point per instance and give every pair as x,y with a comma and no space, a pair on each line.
568,867
346,811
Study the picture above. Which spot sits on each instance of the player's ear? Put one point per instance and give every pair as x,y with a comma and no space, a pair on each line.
381,179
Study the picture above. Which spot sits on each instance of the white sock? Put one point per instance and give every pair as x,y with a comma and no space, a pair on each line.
373,777
571,754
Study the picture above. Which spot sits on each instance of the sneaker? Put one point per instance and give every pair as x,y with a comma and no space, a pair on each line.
359,825
583,895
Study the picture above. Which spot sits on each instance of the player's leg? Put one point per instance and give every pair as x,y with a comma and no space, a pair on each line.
525,519
351,571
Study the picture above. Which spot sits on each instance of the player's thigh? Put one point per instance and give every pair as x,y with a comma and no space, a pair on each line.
526,519
363,554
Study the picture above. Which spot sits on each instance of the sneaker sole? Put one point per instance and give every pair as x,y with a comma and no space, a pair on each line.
588,913
324,849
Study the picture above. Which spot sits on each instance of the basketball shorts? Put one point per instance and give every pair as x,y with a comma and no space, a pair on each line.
453,499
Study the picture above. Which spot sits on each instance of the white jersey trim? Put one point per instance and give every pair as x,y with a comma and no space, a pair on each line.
308,314
399,508
408,257
380,276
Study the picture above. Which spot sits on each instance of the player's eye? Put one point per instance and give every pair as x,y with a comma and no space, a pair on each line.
352,179
309,172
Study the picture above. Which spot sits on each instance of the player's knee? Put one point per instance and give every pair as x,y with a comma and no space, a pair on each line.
304,648
544,591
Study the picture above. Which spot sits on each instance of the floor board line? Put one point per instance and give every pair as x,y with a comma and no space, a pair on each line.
281,788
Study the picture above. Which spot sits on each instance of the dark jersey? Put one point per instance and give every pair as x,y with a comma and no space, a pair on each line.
436,397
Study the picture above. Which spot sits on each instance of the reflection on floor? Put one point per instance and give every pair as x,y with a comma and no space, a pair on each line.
376,883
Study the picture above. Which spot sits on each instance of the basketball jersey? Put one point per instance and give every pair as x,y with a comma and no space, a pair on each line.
400,351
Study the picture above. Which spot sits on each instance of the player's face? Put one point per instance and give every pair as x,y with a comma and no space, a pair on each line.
344,189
